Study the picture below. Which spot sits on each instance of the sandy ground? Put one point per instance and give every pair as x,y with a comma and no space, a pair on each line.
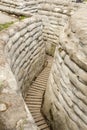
5,18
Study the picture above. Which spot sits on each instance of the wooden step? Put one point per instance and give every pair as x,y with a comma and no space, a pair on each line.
43,126
39,119
33,100
35,92
38,116
40,84
34,96
41,80
38,88
42,122
35,111
34,105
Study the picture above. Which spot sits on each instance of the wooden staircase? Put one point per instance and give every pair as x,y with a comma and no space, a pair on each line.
34,96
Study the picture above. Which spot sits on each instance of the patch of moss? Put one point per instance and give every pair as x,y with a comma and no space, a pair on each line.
22,17
6,25
1,86
60,50
52,50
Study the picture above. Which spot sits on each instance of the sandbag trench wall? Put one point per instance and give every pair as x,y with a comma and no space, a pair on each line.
65,101
54,14
22,57
19,7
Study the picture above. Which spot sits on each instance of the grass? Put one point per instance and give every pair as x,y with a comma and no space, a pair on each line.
6,25
22,17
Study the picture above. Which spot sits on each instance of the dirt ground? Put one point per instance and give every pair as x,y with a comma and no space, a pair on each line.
5,18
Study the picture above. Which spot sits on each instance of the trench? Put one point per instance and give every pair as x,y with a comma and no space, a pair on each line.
23,52
34,96
24,48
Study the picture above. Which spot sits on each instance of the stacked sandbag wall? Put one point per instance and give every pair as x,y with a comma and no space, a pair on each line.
65,101
19,7
31,6
22,57
54,14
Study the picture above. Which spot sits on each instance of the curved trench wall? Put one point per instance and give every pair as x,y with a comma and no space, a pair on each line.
20,63
26,51
22,56
65,101
55,14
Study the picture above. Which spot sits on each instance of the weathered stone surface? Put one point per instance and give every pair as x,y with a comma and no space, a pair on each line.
13,112
2,107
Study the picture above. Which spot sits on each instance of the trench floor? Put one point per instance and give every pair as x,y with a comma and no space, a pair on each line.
35,93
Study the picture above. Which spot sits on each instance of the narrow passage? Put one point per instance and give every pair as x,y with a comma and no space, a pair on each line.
34,96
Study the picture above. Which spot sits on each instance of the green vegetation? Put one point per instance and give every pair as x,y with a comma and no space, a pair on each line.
1,85
22,17
51,50
60,50
6,25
